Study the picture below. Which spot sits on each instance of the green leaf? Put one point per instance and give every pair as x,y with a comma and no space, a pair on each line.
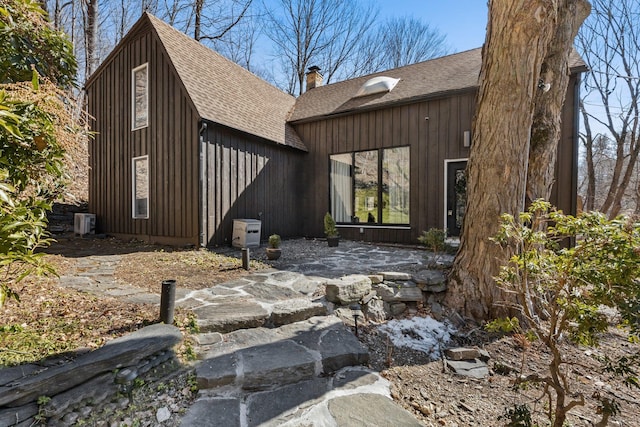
35,80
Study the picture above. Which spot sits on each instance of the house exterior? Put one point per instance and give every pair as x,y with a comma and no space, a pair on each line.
190,141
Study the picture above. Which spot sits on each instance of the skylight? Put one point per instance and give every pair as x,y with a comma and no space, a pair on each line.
377,85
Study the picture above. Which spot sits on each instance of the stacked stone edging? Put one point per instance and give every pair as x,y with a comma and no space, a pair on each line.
385,295
91,379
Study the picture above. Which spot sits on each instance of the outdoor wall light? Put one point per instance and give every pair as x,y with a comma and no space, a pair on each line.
356,313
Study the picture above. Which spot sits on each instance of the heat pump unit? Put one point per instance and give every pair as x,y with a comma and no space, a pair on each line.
84,223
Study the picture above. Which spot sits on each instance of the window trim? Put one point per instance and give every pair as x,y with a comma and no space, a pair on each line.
133,187
133,96
379,209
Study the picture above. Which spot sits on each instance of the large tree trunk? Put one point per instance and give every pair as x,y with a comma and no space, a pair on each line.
518,35
545,133
91,36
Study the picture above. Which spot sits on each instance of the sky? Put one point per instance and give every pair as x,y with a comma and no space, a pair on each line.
463,22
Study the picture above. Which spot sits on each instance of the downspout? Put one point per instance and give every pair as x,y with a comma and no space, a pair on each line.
202,202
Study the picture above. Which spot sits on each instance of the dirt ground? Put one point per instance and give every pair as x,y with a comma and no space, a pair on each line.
435,396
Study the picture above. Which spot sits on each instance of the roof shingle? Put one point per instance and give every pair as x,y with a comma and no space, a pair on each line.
226,93
428,79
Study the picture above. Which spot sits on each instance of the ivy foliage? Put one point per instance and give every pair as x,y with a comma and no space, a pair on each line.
573,277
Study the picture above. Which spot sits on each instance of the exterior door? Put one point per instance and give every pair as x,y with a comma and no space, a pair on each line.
456,196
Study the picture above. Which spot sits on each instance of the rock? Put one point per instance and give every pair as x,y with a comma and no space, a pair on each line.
469,368
390,294
374,311
376,278
395,276
346,315
429,277
437,311
295,310
231,315
348,289
163,414
484,355
462,353
365,300
208,338
434,288
277,363
395,309
368,410
123,351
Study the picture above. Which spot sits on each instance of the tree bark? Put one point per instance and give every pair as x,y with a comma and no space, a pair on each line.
518,36
547,126
91,36
588,140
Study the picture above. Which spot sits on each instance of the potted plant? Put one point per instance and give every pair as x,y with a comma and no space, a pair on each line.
330,230
273,250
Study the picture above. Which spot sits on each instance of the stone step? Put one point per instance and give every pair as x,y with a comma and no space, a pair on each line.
264,358
265,299
353,396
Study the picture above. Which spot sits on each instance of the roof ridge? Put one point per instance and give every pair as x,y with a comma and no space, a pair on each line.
157,21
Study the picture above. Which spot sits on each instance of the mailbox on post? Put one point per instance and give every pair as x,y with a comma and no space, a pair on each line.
246,233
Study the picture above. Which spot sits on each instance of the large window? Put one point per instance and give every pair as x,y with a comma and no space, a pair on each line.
140,190
140,97
371,186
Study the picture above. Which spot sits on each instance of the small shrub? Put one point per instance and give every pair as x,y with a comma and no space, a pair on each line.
274,241
561,291
435,241
330,229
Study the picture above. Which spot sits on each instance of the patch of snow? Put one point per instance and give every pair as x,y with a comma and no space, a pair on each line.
419,333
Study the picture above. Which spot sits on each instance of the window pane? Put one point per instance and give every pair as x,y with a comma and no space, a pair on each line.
140,98
341,187
141,187
366,185
395,186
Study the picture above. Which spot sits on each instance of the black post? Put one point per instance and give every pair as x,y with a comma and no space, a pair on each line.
167,301
245,258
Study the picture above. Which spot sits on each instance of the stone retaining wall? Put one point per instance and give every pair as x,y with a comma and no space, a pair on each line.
65,392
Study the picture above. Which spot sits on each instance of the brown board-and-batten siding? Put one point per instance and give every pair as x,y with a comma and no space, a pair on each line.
249,177
434,131
170,140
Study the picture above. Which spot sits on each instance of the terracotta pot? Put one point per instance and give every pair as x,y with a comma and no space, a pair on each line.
273,253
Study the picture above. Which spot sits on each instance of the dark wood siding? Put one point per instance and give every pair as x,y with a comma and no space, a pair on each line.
565,191
434,131
170,141
247,177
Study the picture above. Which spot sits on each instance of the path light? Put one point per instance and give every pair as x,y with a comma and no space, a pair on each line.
167,301
246,258
355,312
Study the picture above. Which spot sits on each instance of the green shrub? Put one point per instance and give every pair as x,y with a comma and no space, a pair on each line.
330,229
561,290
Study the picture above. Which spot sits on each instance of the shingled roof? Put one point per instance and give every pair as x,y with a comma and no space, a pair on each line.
429,79
226,93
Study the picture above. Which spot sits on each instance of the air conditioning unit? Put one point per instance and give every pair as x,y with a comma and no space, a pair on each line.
84,223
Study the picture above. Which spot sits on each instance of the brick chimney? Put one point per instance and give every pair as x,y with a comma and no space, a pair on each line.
314,78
